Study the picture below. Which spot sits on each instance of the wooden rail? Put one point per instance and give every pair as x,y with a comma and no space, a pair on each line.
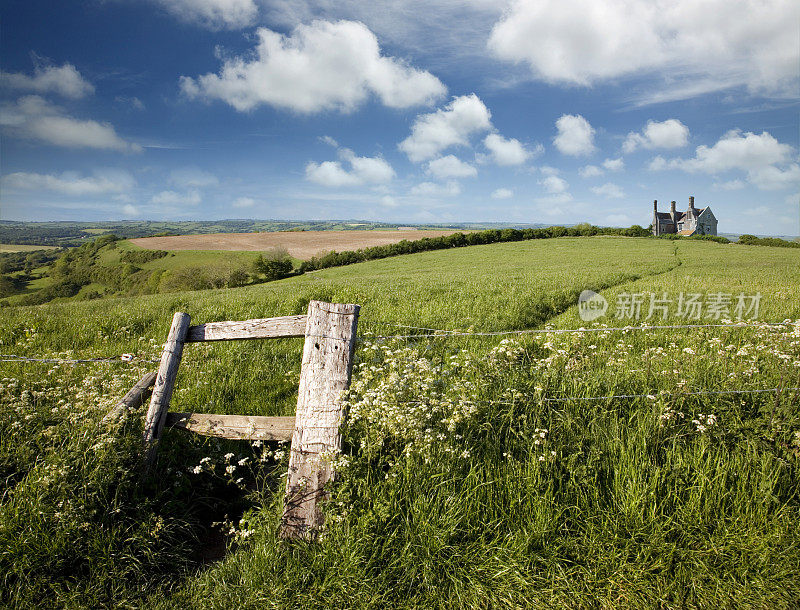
330,338
236,427
265,328
134,399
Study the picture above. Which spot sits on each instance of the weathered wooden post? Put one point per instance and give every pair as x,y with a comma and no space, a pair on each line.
327,364
165,382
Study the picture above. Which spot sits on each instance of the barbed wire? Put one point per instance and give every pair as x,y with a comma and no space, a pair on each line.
435,334
442,333
122,358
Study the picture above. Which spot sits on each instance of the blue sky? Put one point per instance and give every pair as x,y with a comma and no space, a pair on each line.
417,111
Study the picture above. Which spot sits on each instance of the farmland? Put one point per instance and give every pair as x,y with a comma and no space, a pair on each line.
472,476
300,244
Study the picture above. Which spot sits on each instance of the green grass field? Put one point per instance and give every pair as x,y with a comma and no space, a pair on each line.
470,475
22,248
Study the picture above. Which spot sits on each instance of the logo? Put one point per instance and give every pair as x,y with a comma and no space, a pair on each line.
591,305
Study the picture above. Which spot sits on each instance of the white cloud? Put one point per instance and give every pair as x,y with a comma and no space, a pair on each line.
130,210
757,155
451,126
191,197
614,165
737,151
451,167
549,171
508,151
64,80
244,202
575,135
431,189
554,185
363,170
698,47
665,134
330,173
321,66
590,171
771,178
609,190
370,170
72,183
389,201
214,14
33,118
502,193
731,185
329,141
191,177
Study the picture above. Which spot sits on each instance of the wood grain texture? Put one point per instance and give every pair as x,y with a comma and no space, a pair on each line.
236,427
165,382
134,398
327,364
264,328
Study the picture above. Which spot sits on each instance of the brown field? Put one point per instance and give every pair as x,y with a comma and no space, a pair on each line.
300,244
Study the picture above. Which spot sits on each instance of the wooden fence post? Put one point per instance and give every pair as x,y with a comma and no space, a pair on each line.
165,382
327,365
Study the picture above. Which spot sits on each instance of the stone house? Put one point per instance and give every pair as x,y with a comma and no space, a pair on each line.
694,221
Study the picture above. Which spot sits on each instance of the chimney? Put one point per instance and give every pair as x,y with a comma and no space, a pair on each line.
691,203
655,205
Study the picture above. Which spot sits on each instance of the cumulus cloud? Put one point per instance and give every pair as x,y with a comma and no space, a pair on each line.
363,170
609,190
665,134
760,156
64,80
451,126
590,171
432,189
554,185
130,210
191,197
575,135
508,151
502,193
321,66
451,167
214,14
694,47
34,118
614,165
72,183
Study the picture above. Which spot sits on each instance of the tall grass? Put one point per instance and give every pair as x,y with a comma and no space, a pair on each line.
461,484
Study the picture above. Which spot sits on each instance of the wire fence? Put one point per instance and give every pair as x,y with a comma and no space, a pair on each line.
433,333
120,359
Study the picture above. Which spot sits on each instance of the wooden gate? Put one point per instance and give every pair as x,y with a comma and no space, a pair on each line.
330,332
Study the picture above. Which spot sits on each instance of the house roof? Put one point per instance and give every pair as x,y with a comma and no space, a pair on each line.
667,217
687,232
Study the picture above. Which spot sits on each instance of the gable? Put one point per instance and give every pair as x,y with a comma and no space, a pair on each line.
706,214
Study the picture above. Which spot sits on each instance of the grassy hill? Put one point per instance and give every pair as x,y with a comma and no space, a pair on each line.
474,476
